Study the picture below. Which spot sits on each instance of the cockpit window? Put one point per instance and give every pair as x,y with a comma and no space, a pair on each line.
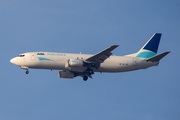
21,55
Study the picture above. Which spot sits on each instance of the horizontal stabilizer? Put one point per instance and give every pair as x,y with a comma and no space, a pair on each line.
158,57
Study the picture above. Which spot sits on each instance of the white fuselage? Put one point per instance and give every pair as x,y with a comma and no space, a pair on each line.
84,65
57,61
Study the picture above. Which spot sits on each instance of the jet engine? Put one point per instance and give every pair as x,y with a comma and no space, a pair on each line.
75,63
65,74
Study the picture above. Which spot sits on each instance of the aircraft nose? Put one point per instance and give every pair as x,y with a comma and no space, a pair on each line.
13,61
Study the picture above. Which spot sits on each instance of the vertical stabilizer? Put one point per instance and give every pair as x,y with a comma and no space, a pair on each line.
151,47
153,43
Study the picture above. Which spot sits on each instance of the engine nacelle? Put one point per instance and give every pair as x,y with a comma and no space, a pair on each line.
65,74
74,63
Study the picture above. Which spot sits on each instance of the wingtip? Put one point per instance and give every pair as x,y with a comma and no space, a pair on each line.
115,45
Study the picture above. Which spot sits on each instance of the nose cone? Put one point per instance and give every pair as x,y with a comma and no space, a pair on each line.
13,61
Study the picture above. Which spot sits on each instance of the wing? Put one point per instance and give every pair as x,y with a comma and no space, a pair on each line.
101,56
92,62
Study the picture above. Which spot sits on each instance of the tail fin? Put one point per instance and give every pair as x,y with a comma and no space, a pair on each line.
150,48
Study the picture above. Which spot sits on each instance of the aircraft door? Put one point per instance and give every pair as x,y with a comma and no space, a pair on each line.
33,56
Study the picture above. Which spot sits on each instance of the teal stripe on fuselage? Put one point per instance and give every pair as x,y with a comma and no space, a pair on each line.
146,54
42,59
73,61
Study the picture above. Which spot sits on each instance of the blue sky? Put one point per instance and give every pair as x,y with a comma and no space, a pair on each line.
89,27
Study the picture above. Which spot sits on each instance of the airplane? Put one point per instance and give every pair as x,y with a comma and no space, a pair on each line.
85,65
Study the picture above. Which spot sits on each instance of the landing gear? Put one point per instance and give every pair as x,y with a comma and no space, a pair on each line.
87,74
85,78
25,68
91,72
27,72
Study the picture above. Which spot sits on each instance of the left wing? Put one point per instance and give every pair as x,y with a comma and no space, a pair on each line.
92,62
101,56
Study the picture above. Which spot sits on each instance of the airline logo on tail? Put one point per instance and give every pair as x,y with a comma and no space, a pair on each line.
151,47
